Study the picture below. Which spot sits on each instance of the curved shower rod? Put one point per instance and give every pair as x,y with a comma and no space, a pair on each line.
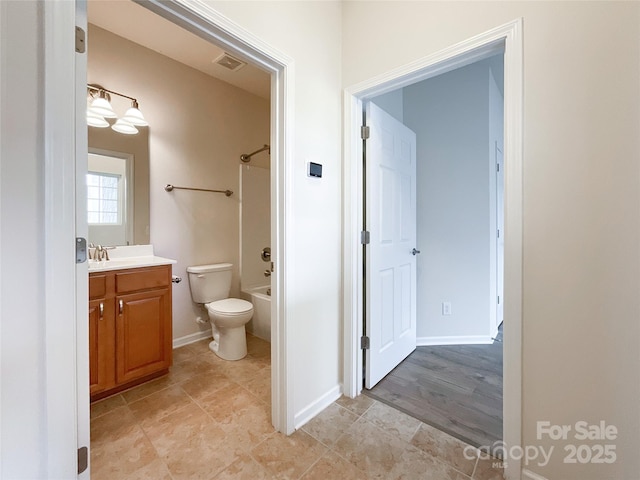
245,157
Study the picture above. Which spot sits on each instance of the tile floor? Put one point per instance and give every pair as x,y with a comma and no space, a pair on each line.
210,419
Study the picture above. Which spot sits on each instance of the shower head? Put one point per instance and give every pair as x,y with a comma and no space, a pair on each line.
245,157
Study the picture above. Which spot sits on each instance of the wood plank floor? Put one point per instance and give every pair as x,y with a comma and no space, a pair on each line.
457,389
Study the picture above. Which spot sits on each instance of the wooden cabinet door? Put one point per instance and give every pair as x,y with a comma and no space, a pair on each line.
143,331
101,345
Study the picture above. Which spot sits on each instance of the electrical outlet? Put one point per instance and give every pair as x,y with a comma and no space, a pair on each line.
446,308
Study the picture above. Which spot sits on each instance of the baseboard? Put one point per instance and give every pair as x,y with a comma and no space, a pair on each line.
316,407
461,340
529,475
191,338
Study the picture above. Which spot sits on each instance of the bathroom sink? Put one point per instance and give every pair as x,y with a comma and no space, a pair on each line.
113,264
127,262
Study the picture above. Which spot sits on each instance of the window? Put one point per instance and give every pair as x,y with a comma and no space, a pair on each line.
103,205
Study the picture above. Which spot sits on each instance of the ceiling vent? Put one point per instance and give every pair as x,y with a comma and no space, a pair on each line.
227,61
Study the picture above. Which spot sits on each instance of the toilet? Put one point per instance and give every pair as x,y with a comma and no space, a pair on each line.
210,286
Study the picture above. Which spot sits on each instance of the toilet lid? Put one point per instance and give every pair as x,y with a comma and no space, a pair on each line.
230,306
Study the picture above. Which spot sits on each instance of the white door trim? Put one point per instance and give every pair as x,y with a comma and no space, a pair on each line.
64,417
509,37
201,19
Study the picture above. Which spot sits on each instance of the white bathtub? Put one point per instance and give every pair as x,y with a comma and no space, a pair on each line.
260,324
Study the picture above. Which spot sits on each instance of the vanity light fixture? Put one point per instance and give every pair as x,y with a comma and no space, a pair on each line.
95,120
122,126
134,115
100,108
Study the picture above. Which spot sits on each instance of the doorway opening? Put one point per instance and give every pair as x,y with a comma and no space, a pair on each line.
207,24
505,39
450,219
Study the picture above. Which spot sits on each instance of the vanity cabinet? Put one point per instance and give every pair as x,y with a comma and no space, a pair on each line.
130,338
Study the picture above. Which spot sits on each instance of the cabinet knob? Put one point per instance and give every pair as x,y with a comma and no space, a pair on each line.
101,309
121,306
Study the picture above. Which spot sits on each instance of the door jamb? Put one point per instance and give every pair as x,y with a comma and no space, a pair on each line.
509,37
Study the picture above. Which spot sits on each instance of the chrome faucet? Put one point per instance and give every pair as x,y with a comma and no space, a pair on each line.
101,253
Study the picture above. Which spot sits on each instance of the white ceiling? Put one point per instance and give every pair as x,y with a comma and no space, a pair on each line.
139,25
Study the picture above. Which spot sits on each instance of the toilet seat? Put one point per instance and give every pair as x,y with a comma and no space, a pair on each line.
230,307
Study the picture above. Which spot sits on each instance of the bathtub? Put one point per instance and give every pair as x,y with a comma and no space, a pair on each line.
260,323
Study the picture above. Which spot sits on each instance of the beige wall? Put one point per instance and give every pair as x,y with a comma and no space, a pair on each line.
581,197
198,128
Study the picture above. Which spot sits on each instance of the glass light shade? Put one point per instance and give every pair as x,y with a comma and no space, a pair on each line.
135,117
101,106
122,126
94,120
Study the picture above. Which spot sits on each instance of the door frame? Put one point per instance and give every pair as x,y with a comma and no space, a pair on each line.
507,38
207,23
65,334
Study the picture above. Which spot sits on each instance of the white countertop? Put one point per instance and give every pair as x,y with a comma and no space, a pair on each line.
134,256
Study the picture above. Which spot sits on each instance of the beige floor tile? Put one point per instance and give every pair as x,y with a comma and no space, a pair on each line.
288,457
205,384
155,470
245,370
197,365
146,389
173,431
260,385
160,404
330,424
119,422
392,421
249,426
330,467
372,451
415,463
357,405
200,347
106,405
119,447
191,444
488,469
445,448
245,468
256,347
182,354
228,402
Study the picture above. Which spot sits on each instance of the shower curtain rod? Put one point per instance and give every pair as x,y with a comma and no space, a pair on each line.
245,157
168,188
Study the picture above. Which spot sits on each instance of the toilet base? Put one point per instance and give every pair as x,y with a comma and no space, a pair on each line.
229,343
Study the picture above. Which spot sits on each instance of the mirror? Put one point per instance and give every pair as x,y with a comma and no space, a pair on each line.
118,187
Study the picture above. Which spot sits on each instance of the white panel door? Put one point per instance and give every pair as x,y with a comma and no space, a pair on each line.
390,259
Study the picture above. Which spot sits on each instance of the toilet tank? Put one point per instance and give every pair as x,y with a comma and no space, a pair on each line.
209,283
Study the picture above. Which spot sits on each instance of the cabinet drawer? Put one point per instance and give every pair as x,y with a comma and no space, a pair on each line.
97,286
140,279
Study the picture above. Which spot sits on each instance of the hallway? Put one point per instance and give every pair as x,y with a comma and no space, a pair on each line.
209,419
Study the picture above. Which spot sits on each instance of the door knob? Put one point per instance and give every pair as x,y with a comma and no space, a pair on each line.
415,252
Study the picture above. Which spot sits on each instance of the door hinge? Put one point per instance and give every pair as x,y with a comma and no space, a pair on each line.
364,132
497,167
498,299
83,459
498,233
364,342
80,40
81,250
365,237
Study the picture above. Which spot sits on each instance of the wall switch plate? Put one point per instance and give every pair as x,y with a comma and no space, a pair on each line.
446,308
